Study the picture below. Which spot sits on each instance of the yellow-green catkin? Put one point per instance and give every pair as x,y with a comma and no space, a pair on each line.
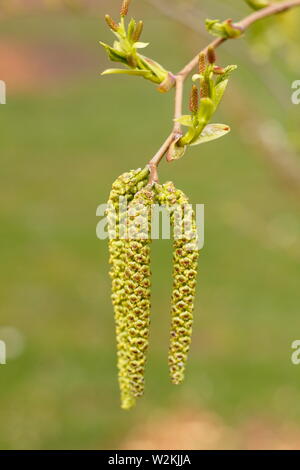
138,285
125,187
185,263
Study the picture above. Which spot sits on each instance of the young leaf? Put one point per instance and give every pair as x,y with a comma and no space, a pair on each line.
227,29
185,120
212,132
216,28
131,28
227,71
141,45
154,67
206,109
219,92
175,152
114,54
143,73
197,76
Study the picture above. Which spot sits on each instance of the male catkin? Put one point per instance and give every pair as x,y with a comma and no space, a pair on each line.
185,261
123,191
138,285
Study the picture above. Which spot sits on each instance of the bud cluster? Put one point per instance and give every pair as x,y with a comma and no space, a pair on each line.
204,101
227,29
125,50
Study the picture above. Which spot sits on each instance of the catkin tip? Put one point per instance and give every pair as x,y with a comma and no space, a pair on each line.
111,23
211,55
125,8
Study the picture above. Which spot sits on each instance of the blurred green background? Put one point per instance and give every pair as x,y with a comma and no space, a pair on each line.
66,134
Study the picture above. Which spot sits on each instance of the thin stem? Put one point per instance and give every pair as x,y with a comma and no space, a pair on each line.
178,102
175,134
154,162
271,10
180,78
185,72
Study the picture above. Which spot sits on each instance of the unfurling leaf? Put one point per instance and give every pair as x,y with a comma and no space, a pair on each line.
212,132
185,120
141,45
143,73
226,73
216,28
114,54
175,151
227,29
197,76
219,92
131,28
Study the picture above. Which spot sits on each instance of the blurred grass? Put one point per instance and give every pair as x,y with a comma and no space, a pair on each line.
61,148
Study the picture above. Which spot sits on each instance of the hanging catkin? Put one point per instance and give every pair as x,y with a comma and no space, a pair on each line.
125,187
137,286
185,261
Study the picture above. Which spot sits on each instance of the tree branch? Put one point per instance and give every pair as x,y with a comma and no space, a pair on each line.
180,78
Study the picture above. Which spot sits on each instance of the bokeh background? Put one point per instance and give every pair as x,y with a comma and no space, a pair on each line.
65,134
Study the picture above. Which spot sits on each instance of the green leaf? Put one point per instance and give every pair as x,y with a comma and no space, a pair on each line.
143,73
227,29
216,28
185,120
117,47
141,45
197,76
219,92
212,132
227,71
114,54
131,28
155,68
206,109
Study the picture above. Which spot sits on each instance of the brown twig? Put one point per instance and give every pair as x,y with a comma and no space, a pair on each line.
180,78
